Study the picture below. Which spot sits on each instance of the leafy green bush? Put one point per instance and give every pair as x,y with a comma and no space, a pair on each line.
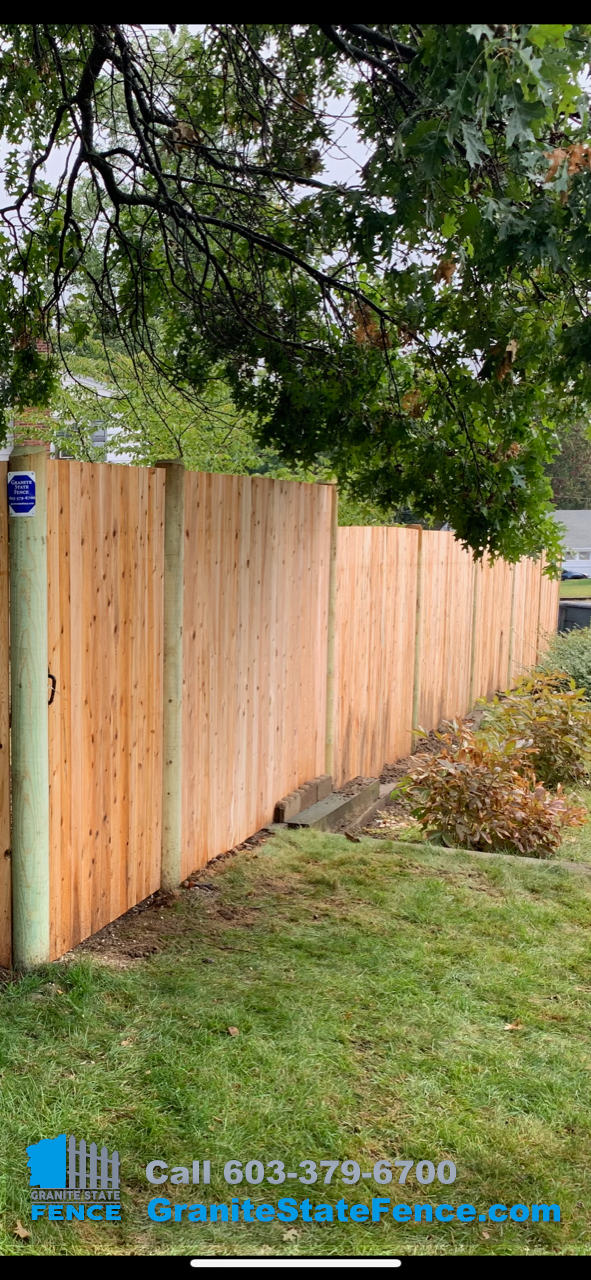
480,796
571,653
553,717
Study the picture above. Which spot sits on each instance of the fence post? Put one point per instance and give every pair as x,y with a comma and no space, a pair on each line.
331,634
172,772
30,762
5,860
477,572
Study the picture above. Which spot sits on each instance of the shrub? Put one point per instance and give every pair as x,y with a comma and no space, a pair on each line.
571,653
549,713
483,796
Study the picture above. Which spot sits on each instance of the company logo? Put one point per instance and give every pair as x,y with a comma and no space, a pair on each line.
62,1169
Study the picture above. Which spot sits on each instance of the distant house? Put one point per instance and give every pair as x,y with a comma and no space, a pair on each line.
61,447
577,540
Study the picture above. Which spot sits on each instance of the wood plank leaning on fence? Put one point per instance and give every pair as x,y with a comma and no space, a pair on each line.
215,641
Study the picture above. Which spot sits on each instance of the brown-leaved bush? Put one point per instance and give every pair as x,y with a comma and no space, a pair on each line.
479,796
554,717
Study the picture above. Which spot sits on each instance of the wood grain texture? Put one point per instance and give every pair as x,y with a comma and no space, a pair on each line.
256,571
470,621
548,620
493,627
256,568
105,598
526,616
331,635
5,885
375,648
446,621
172,747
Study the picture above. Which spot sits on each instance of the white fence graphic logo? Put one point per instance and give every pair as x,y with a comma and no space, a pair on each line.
89,1169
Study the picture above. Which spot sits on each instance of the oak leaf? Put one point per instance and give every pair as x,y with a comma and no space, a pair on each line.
508,358
577,157
445,270
413,402
367,330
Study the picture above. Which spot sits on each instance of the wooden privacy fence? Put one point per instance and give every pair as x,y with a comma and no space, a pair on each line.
215,641
422,631
255,595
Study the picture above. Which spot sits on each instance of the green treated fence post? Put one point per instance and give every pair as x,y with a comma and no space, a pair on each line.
29,738
172,775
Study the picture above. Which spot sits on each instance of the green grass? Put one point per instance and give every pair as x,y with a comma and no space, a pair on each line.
576,842
371,984
575,588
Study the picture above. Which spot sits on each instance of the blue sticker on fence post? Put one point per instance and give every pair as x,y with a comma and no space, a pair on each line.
21,493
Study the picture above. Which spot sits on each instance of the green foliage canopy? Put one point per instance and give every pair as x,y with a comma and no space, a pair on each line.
427,328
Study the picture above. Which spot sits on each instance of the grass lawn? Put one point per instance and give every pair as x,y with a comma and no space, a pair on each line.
576,843
575,588
371,985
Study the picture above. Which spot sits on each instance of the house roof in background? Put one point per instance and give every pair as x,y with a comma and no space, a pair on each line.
578,527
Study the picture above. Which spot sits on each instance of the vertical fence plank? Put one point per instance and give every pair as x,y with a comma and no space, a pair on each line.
448,593
331,633
255,610
493,627
511,630
105,610
549,600
376,631
477,576
416,678
174,541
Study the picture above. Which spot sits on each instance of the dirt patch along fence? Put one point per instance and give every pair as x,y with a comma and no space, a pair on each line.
215,641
